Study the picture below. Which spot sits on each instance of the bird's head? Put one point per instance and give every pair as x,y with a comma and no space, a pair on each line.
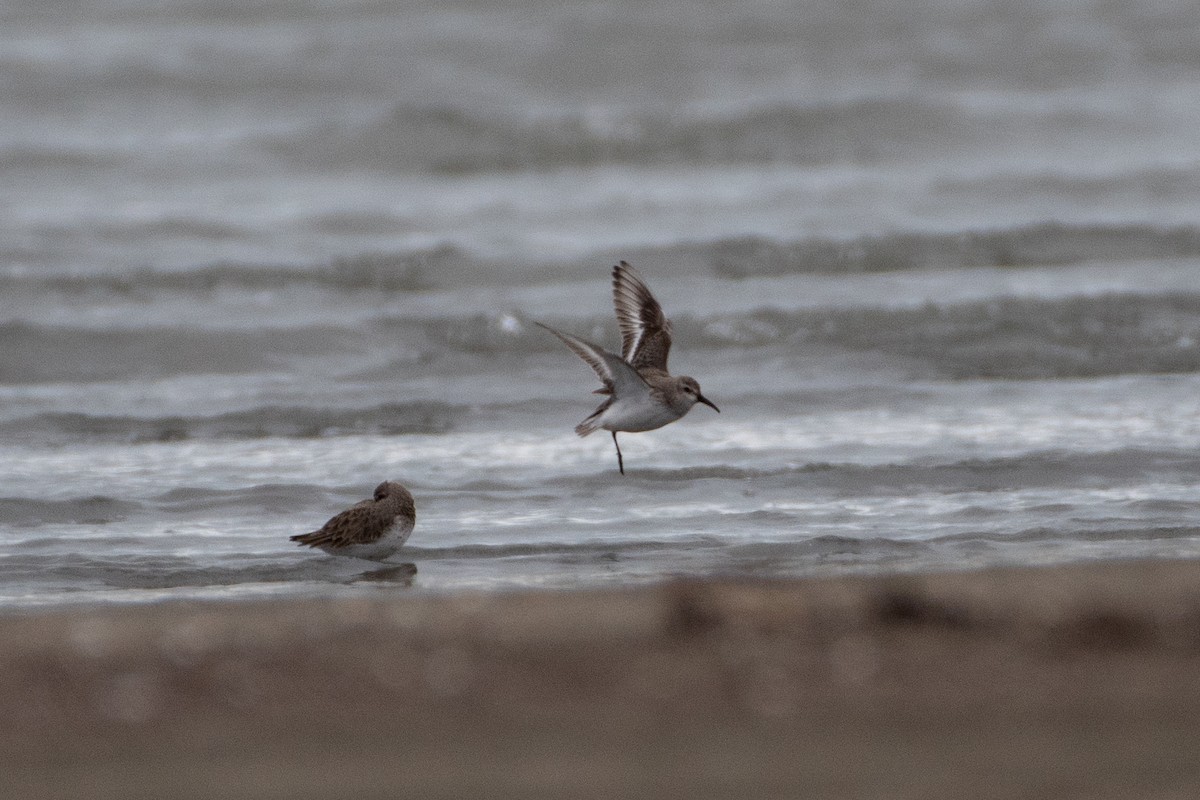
689,393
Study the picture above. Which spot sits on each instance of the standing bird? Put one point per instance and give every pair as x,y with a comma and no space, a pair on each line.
642,395
371,529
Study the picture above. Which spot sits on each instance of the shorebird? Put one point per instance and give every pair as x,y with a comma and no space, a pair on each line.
371,529
642,395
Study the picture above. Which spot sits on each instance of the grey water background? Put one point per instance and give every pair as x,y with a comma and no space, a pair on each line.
936,261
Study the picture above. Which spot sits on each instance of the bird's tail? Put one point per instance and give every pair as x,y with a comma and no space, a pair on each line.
592,423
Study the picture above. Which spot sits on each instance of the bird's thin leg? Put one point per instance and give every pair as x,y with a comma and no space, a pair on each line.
620,461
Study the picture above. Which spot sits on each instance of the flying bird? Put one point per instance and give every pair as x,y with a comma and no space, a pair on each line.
642,395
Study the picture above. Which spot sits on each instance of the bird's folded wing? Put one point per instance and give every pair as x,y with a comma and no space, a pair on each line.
360,522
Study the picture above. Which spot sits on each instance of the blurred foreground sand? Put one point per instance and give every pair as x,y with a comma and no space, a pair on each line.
1061,682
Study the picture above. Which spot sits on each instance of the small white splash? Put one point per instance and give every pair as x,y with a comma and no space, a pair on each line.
510,324
742,331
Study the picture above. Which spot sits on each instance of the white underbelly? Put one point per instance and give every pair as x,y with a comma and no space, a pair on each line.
636,416
391,541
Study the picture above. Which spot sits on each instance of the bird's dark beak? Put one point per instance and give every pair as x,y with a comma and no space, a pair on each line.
702,399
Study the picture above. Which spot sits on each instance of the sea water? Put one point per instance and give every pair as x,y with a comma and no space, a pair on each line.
937,262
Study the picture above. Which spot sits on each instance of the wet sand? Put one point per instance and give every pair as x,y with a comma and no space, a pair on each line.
1060,682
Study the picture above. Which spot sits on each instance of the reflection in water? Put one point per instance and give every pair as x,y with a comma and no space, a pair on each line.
401,574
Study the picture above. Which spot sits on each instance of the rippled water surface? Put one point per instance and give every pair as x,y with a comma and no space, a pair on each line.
938,264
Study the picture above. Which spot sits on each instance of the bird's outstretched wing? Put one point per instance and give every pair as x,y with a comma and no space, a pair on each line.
616,374
645,330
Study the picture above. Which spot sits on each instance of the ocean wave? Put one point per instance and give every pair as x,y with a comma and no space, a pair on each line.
1011,337
272,497
95,510
261,500
570,551
443,138
127,571
1016,337
43,157
455,140
1006,337
1120,533
825,546
1057,468
408,270
388,419
34,353
734,258
1045,244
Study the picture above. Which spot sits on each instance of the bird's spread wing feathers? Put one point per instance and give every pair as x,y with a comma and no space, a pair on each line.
645,330
617,376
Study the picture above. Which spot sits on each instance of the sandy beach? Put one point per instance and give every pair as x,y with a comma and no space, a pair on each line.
1055,682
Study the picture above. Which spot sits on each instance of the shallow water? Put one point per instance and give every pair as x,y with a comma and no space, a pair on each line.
937,265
